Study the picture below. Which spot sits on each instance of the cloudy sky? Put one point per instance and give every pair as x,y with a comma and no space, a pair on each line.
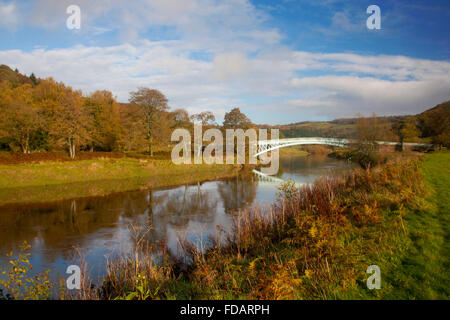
278,61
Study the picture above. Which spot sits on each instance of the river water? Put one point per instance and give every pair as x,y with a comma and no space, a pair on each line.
100,226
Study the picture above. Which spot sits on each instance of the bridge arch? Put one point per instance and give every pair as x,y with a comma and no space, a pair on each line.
265,146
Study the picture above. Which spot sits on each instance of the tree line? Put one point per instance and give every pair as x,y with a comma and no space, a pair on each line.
46,115
430,126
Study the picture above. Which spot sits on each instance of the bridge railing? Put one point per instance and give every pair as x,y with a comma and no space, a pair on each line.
308,140
322,140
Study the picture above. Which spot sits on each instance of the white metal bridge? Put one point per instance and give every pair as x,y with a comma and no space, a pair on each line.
264,146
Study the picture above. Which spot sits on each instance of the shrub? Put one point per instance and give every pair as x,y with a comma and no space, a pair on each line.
19,285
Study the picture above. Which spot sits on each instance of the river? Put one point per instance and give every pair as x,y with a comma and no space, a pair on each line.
100,226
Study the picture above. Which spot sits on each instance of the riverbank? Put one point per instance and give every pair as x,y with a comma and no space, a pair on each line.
58,180
317,243
293,151
314,243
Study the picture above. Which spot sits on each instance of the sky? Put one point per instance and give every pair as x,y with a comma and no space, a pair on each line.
279,61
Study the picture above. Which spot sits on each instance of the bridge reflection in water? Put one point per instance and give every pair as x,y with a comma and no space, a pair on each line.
262,177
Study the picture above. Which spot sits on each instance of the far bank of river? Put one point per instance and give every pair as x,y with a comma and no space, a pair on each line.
54,181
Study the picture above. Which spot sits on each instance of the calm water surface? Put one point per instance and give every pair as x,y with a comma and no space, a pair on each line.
100,226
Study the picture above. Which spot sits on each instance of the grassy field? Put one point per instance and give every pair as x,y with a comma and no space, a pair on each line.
48,181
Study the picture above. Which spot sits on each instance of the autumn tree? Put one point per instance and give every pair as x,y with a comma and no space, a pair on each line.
133,135
68,122
163,127
180,119
150,102
235,119
21,118
106,128
406,130
71,122
369,131
434,124
206,118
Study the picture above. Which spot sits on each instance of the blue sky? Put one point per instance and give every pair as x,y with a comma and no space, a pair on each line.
279,61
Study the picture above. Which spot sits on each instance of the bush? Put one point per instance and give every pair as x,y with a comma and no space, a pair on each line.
18,284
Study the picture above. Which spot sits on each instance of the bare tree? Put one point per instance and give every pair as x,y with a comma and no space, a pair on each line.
206,118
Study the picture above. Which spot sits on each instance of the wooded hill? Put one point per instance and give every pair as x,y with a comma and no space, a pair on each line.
15,78
431,126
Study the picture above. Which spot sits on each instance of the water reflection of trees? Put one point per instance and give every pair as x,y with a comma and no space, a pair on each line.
237,193
68,224
59,227
179,207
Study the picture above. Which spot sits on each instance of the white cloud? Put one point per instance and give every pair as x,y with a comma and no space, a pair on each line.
390,84
247,66
229,66
209,25
341,22
8,15
346,95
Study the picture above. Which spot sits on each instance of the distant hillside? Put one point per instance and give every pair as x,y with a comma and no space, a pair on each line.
346,127
318,129
435,124
15,77
442,109
391,119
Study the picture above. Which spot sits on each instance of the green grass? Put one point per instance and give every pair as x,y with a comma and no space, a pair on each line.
49,181
416,267
424,270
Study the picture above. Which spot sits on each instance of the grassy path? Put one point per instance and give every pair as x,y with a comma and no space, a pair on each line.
437,176
423,272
